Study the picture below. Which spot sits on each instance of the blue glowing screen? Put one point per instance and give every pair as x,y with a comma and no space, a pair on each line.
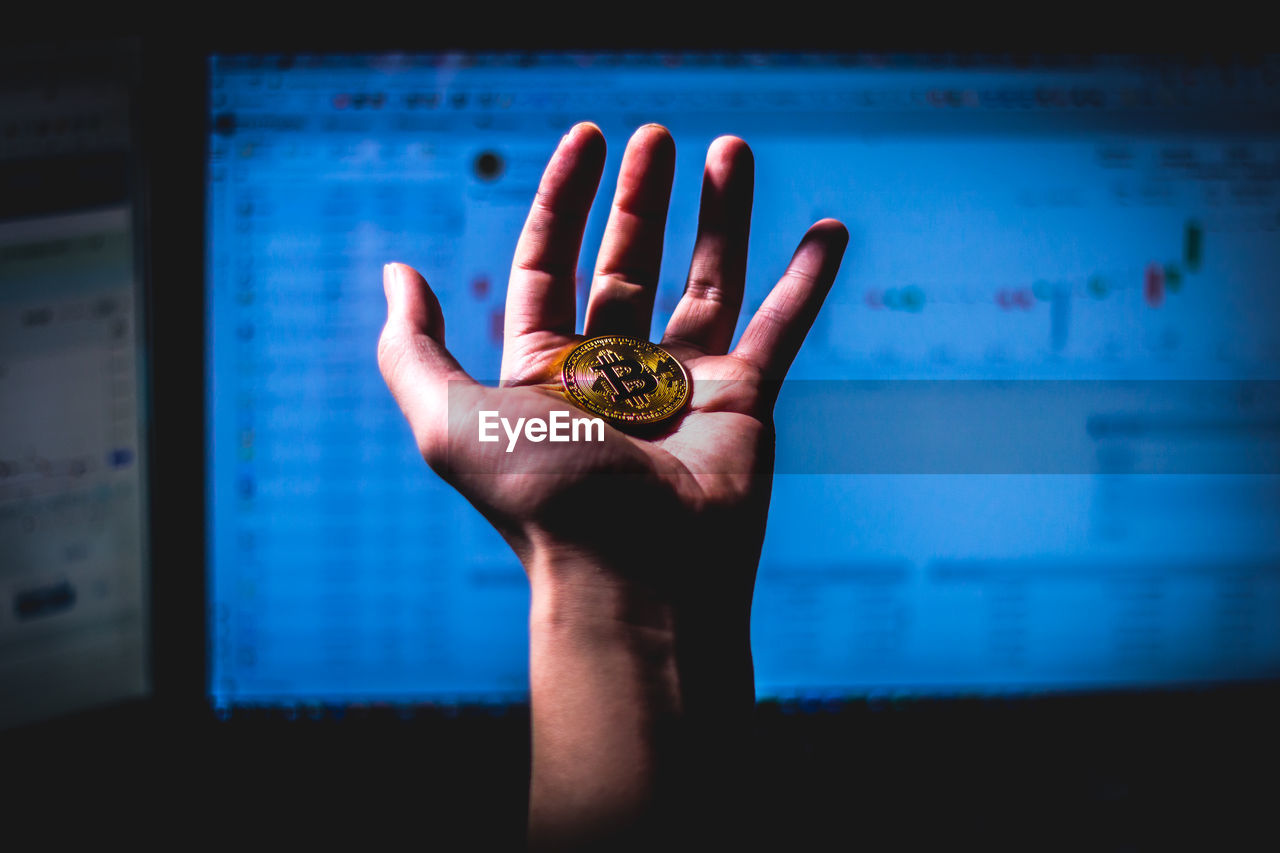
1031,443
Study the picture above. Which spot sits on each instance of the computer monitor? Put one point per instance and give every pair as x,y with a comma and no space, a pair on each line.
74,520
1031,444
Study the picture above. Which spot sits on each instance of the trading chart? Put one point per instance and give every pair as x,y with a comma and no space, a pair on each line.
1032,442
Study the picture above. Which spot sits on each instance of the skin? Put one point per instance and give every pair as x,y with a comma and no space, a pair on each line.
641,551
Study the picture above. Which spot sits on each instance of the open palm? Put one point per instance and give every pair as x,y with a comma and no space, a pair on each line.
702,484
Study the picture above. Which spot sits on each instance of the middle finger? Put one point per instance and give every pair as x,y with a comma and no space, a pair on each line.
626,275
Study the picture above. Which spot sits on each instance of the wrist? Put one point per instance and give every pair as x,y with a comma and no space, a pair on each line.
574,590
689,641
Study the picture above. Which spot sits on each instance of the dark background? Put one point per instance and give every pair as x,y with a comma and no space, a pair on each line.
1118,771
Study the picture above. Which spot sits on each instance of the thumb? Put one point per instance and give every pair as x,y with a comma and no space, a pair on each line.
410,300
414,361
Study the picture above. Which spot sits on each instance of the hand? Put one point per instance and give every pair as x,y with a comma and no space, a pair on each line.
641,551
703,483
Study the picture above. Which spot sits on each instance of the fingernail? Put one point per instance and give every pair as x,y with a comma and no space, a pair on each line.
391,285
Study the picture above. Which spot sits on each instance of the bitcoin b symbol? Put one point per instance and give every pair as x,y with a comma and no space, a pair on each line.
624,378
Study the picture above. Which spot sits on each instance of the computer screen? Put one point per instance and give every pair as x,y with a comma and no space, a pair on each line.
74,563
1031,444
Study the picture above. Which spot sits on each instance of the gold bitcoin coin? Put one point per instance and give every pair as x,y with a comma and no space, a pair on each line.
628,382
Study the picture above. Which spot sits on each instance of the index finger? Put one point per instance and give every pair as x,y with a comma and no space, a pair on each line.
540,296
